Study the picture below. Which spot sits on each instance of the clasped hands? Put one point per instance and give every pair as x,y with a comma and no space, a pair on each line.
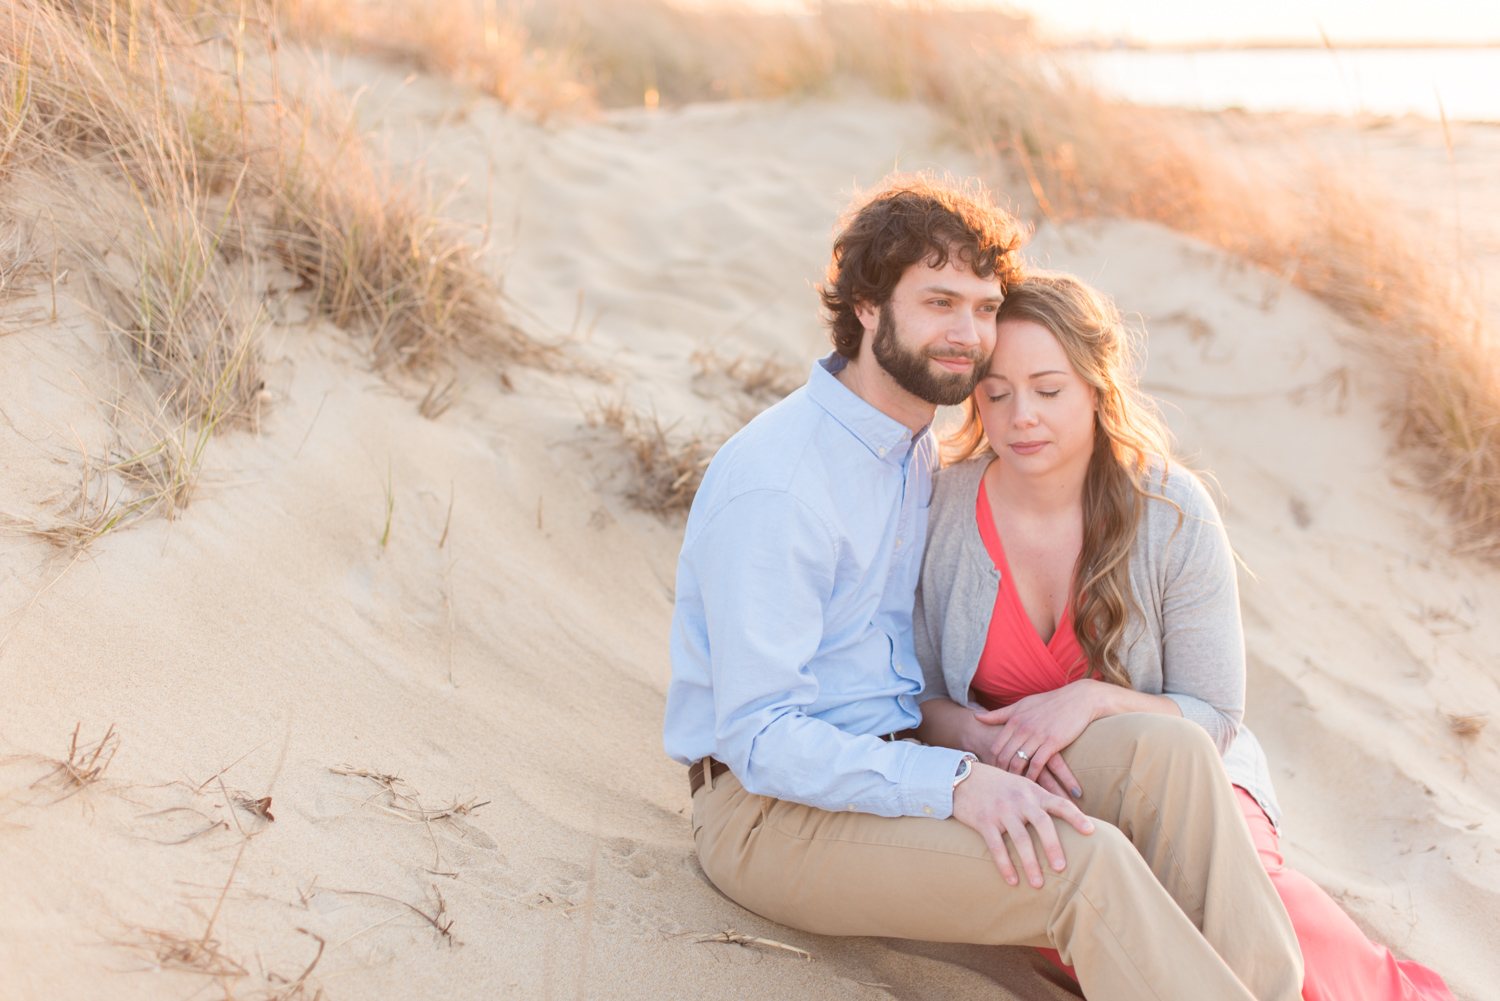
1028,736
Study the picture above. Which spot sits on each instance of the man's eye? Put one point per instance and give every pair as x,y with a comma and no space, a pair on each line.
940,302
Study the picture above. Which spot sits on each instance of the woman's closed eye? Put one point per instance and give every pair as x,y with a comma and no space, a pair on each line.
1048,393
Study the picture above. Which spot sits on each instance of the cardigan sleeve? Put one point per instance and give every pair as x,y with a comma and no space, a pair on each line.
929,653
1202,639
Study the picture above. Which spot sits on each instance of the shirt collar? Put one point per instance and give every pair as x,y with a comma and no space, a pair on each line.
886,437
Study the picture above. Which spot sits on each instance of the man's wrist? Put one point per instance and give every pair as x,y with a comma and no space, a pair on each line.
965,768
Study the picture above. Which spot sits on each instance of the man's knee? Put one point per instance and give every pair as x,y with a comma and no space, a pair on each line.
1107,854
1152,734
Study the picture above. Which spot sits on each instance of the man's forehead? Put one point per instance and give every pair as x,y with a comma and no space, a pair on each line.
954,266
953,278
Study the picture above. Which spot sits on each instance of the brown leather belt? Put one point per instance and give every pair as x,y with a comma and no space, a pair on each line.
715,767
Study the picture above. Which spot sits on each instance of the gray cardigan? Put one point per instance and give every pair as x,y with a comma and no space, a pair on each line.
1189,646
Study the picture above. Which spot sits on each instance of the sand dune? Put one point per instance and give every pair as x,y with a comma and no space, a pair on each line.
506,645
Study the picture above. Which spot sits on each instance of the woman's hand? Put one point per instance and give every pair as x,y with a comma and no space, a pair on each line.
1029,733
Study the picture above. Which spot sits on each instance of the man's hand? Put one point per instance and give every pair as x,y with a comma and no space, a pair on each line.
996,803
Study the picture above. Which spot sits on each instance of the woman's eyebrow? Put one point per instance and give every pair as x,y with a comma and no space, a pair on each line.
1049,371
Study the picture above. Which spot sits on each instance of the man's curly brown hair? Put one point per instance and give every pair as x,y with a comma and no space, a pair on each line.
913,219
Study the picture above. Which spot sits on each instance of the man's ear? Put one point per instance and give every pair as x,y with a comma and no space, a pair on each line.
868,313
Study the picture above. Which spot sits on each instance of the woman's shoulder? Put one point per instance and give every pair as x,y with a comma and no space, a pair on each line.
960,479
1180,507
1177,488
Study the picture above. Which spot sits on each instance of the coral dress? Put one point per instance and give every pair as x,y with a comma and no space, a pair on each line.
1340,963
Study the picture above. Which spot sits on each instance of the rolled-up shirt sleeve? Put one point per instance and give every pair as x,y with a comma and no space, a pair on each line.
765,570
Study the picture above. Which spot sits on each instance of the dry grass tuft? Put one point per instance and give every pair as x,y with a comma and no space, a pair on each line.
764,381
399,800
21,263
84,765
665,470
478,43
380,260
170,950
188,322
1467,726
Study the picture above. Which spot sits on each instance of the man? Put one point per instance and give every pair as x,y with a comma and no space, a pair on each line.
793,670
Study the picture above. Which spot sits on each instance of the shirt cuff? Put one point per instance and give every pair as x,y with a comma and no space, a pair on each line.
927,786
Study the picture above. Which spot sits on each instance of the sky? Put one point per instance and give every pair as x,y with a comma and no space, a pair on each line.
1174,22
1185,22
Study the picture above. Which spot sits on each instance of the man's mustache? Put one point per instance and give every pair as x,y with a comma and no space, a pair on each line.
974,355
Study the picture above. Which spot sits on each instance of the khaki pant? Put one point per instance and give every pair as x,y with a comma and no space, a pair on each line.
1165,900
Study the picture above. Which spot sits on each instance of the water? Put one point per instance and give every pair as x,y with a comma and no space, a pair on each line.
1318,81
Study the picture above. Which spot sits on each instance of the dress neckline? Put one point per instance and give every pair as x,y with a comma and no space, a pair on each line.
996,550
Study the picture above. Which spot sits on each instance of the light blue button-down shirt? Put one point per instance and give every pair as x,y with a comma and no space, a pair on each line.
792,645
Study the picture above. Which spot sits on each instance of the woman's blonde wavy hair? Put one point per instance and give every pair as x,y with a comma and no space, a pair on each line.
1129,440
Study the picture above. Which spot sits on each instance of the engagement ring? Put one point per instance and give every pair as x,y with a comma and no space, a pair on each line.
1023,755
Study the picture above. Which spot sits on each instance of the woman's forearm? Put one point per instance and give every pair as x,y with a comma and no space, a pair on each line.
947,724
1114,700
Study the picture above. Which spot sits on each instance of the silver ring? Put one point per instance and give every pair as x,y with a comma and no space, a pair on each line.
1023,755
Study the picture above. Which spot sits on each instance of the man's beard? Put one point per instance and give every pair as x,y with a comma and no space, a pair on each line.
913,371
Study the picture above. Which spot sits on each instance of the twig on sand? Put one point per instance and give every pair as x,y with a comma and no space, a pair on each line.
408,807
390,507
440,919
295,988
732,937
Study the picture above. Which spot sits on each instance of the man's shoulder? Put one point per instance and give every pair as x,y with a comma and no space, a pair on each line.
777,451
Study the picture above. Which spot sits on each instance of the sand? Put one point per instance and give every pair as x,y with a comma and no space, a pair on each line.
513,653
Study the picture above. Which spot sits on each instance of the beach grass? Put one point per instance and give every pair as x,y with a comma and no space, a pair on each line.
227,152
1070,154
176,154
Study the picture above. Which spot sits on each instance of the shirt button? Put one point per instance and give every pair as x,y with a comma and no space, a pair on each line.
851,806
898,543
927,810
881,450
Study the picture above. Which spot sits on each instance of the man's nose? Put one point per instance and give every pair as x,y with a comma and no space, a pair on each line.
970,329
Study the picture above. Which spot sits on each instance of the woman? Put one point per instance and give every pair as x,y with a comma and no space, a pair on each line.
1072,572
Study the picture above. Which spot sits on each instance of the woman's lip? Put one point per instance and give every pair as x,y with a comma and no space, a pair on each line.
1026,447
